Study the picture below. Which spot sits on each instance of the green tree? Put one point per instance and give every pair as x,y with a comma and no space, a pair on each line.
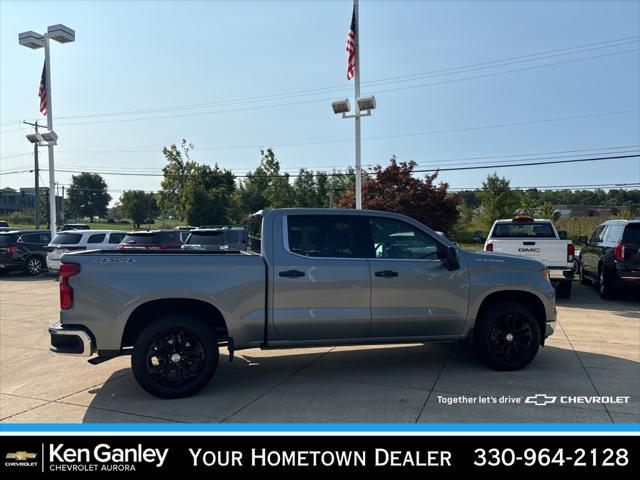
207,196
87,196
547,210
529,201
139,206
498,200
176,172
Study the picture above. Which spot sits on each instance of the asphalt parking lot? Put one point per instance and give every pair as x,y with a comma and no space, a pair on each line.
594,352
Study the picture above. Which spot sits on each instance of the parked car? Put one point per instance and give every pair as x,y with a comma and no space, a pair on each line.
24,250
536,238
311,277
74,226
213,239
611,257
151,240
477,237
75,240
4,224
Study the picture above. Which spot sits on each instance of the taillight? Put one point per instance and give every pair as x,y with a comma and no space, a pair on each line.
571,251
618,253
12,249
66,292
488,247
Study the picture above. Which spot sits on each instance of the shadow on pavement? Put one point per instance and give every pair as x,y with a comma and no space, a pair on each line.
375,385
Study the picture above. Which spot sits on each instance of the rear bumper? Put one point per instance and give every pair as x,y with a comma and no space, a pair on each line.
53,264
560,274
70,341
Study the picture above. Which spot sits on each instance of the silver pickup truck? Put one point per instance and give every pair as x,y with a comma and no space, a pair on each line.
309,277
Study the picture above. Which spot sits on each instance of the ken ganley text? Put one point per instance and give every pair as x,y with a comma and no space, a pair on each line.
262,457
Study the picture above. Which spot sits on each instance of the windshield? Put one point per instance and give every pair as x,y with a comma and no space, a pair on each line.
523,230
67,239
206,238
8,239
139,239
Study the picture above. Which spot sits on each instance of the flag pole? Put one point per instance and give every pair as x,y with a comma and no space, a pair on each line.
52,173
357,112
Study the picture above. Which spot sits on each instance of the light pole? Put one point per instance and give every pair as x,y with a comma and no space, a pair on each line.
33,40
364,106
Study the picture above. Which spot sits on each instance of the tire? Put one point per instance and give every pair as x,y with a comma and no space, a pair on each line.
583,279
491,343
563,290
34,266
605,287
160,373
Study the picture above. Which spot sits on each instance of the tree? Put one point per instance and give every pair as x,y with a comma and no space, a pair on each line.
547,210
87,196
395,189
498,200
207,196
139,206
176,172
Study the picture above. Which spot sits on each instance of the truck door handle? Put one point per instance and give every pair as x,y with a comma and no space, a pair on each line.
291,273
528,243
386,273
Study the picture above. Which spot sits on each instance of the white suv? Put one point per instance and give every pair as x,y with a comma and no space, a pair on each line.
74,240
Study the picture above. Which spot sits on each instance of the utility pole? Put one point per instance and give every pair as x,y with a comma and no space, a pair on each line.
36,175
62,206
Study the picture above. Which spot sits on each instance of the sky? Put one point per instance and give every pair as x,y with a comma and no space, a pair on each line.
456,83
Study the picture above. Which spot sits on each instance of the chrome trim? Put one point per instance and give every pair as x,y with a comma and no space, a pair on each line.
87,343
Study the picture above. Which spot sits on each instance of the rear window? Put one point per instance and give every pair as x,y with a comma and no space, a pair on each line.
235,236
523,230
8,239
139,239
168,237
67,238
206,238
632,234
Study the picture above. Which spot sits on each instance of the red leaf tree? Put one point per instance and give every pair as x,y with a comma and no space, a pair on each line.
395,189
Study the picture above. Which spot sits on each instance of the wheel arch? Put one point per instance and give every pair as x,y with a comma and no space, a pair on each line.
144,314
528,299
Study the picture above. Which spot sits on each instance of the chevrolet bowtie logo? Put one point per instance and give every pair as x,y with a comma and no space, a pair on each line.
21,456
541,399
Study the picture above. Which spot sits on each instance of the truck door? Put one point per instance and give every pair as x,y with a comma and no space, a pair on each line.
321,280
412,291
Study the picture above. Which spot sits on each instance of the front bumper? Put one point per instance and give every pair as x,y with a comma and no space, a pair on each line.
70,340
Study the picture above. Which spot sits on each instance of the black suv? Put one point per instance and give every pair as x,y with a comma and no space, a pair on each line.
24,250
611,257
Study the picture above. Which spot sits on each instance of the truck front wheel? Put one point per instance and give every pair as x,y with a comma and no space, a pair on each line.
506,336
175,356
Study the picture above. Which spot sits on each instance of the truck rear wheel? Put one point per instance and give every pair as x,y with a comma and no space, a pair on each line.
175,356
563,289
506,336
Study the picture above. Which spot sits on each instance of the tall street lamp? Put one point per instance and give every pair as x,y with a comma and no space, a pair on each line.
33,40
364,106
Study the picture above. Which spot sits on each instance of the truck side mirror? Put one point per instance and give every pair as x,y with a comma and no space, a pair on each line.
582,239
452,258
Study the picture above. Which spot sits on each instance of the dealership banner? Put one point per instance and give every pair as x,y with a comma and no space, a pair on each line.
106,455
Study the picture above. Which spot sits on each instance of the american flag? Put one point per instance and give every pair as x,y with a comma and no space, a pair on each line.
351,47
42,91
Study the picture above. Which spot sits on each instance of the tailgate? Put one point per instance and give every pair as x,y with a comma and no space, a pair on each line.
551,252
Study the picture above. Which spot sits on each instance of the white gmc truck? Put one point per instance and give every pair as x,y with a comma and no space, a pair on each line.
536,238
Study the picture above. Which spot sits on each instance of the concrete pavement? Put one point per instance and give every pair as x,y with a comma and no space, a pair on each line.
595,352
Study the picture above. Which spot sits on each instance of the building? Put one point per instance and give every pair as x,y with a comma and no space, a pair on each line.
12,200
590,210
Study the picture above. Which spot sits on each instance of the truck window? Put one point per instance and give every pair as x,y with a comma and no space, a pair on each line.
254,233
632,234
397,240
330,236
523,230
